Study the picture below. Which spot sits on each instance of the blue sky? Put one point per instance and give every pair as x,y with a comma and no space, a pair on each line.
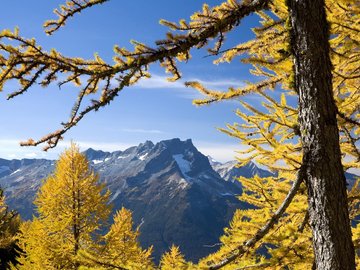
152,110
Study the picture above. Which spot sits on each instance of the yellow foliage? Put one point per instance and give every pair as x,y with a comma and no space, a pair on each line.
72,210
271,134
122,246
72,207
120,249
173,260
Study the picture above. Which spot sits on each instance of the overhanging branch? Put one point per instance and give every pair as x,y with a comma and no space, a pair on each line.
28,61
241,250
69,9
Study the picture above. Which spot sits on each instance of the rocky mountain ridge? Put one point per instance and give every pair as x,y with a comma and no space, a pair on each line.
178,195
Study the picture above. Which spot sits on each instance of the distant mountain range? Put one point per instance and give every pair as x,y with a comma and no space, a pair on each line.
178,195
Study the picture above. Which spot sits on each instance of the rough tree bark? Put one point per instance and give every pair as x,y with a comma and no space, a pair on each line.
326,184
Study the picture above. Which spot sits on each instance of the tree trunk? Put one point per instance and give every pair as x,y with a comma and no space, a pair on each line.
326,184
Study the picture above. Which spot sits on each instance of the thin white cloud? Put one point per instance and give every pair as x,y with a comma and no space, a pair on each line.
11,149
220,152
139,130
158,82
220,83
31,155
161,82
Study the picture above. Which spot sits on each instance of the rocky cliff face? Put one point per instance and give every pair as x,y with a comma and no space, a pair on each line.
173,192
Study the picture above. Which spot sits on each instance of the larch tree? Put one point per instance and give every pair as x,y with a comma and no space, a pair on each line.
173,259
72,208
308,48
279,138
121,248
319,132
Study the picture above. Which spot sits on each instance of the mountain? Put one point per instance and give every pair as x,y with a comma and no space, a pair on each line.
176,194
170,186
173,192
229,170
21,179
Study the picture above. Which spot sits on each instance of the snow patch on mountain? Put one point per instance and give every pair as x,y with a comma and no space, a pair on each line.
117,193
18,170
227,194
182,183
253,168
123,157
19,179
143,157
97,161
212,160
184,165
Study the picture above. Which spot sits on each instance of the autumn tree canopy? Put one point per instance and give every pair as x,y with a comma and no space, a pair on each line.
68,233
72,208
304,49
173,259
120,248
